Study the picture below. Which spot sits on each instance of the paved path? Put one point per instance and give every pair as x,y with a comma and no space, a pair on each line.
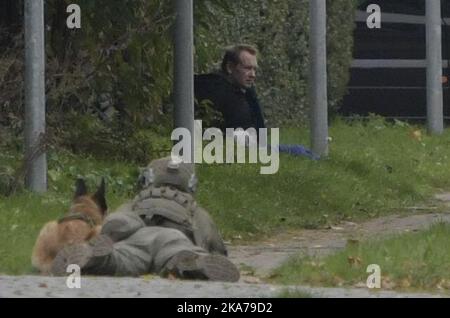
262,257
37,286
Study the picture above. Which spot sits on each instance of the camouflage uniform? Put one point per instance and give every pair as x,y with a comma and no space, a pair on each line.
161,231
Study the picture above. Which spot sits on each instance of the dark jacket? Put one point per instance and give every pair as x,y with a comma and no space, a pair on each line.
229,105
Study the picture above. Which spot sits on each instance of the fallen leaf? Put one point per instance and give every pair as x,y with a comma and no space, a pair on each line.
360,285
171,276
417,135
338,281
354,261
405,283
387,283
251,280
316,264
248,272
444,284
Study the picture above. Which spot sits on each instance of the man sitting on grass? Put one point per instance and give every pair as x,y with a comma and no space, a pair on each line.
230,92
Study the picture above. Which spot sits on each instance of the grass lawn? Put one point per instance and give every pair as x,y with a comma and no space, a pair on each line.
413,261
374,168
23,214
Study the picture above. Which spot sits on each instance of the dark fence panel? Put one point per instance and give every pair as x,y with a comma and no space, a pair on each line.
388,76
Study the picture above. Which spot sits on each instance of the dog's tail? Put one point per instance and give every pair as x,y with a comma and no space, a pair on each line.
46,247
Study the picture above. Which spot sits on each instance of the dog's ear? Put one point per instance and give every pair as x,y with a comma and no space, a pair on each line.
80,188
100,196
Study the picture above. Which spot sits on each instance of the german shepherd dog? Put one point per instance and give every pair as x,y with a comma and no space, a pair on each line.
81,223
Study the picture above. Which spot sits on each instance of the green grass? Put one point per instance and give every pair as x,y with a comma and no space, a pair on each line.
409,261
22,215
373,169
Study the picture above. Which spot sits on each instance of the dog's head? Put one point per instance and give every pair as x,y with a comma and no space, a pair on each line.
82,194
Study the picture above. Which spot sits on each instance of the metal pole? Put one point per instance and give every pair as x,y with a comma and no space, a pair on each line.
36,160
435,115
184,67
318,78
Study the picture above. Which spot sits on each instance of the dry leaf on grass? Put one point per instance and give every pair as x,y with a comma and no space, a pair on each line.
354,261
387,283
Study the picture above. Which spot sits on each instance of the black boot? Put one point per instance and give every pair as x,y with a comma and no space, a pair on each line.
191,265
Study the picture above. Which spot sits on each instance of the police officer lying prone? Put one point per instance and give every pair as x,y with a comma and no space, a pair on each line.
161,231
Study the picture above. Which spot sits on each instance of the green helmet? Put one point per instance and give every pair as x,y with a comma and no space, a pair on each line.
169,171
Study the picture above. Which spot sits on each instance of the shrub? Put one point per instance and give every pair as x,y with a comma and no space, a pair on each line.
280,30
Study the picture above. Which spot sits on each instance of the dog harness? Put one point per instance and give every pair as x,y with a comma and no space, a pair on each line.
77,216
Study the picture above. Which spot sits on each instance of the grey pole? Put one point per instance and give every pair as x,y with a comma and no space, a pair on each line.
318,78
435,116
36,160
184,67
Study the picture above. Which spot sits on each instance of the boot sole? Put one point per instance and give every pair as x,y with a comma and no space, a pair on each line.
211,267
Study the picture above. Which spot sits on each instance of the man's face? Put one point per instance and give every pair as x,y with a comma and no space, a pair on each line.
244,73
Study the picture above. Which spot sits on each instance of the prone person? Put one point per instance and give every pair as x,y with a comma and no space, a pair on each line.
161,231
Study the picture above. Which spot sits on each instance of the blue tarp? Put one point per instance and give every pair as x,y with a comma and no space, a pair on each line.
296,150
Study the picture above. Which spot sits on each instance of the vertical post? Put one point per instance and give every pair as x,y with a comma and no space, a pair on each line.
35,156
318,78
184,67
435,116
